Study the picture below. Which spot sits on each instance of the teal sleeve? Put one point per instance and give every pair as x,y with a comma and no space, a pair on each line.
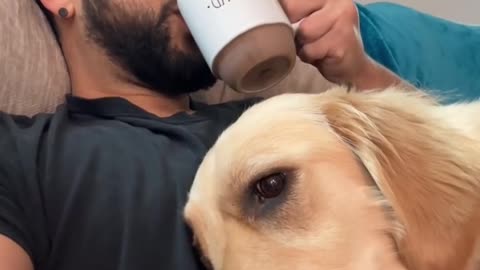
432,53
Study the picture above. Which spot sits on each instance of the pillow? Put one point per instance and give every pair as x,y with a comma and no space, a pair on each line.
34,77
33,73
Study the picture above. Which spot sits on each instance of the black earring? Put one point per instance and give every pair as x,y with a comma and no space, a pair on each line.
63,12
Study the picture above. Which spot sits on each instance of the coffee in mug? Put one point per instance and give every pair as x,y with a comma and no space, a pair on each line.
249,44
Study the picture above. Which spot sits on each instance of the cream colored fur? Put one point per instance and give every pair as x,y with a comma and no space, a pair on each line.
375,180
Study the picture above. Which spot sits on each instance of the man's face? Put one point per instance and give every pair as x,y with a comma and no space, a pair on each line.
150,41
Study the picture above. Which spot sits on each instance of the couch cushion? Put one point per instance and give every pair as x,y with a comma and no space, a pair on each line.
33,73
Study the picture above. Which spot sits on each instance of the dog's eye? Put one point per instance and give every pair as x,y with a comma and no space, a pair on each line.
271,186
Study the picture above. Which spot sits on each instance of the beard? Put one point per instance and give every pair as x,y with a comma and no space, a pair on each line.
139,42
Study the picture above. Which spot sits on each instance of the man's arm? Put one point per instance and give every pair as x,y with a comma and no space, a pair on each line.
432,53
376,76
12,256
329,38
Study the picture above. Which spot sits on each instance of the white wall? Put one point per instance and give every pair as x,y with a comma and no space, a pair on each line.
465,11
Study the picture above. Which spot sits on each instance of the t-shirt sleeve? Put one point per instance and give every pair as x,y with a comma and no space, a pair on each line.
432,53
13,222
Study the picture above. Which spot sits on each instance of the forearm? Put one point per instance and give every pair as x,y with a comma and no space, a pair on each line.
12,256
376,76
440,56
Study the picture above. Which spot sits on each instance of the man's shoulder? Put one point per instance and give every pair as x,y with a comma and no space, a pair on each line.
62,127
21,136
232,102
220,116
23,124
235,107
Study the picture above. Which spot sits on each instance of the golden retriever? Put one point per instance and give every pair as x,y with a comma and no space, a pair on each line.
343,180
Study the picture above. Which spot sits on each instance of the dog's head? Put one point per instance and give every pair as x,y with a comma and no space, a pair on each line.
332,181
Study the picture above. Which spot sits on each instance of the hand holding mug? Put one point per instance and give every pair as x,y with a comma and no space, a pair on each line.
252,44
328,37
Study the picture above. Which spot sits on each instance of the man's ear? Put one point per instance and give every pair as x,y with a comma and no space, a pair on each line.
62,9
425,169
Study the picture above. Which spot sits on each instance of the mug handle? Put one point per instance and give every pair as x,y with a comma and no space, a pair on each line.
296,25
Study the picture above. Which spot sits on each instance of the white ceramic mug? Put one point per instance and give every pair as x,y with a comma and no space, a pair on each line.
249,44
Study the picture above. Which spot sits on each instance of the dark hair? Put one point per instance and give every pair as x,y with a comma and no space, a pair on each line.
48,15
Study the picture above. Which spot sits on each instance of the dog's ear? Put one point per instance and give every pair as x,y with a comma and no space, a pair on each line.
424,169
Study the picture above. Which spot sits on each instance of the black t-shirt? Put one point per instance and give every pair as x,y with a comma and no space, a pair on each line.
101,184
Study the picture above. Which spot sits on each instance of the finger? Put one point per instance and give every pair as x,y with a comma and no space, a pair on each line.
299,9
314,51
315,26
329,45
